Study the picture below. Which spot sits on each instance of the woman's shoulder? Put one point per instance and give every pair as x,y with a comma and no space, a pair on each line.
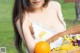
25,21
54,4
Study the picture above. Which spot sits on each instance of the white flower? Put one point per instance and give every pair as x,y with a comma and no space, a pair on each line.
56,43
78,36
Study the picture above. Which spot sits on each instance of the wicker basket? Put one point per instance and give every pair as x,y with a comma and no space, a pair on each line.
69,0
70,51
72,30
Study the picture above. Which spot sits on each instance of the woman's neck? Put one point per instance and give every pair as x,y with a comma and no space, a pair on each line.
37,10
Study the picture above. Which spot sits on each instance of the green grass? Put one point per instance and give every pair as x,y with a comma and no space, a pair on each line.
69,14
6,30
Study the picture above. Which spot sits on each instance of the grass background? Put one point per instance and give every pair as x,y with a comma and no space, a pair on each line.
6,30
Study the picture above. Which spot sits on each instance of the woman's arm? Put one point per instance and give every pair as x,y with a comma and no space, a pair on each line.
59,13
27,38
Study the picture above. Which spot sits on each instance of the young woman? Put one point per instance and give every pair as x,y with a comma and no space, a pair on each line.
36,20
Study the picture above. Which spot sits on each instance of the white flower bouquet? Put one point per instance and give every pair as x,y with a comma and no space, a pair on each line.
71,41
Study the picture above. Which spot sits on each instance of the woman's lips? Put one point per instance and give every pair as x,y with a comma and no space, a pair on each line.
37,2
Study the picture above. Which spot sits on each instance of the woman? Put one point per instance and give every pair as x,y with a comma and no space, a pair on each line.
30,17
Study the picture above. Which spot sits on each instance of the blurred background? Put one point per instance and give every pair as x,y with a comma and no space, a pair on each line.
6,30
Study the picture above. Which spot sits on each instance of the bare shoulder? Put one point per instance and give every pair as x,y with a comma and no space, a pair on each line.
54,4
17,22
25,21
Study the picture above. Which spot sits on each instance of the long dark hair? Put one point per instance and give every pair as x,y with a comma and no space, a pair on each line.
20,6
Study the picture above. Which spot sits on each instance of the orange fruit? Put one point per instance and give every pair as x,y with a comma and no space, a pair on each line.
42,47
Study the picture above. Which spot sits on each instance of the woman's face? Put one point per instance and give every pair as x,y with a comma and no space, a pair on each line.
36,4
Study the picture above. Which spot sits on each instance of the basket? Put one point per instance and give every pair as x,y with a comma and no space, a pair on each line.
72,30
69,0
70,51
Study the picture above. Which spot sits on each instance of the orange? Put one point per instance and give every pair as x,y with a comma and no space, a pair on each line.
42,47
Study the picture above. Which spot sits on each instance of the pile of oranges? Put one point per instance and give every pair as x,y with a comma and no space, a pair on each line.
42,47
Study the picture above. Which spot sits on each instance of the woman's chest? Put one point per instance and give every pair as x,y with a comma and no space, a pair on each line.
49,19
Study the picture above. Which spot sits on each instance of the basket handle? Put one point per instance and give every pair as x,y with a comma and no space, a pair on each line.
72,30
